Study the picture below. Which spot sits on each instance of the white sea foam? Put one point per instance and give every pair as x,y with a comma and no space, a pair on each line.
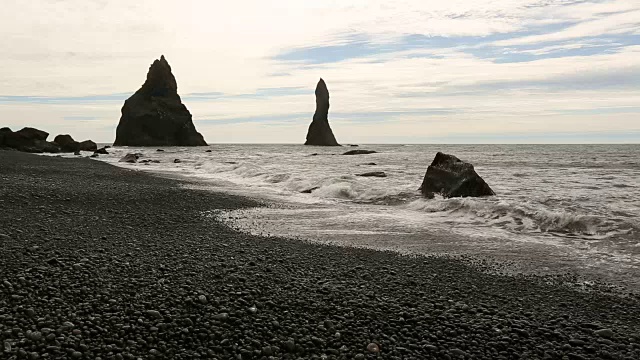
583,191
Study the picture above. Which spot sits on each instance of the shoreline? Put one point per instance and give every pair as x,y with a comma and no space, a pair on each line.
608,271
114,263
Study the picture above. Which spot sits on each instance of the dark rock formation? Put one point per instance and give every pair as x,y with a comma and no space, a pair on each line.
310,190
88,145
102,150
359,152
129,158
155,114
34,134
374,174
27,140
4,131
66,143
319,131
450,177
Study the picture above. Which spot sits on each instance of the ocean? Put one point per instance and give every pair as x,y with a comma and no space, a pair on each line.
558,208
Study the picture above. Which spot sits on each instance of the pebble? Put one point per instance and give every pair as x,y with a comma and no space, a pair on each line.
605,333
221,316
373,348
154,314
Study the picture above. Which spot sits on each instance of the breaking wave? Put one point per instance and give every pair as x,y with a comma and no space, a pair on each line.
526,217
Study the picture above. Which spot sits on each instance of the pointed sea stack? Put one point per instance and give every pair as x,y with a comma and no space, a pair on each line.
155,114
319,131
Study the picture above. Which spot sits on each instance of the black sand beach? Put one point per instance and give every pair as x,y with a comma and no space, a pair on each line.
97,262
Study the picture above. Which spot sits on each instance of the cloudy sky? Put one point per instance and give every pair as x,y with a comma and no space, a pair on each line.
402,71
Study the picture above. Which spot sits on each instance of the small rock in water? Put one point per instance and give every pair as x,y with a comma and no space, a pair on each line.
359,152
208,151
176,161
129,158
159,150
102,151
374,174
309,191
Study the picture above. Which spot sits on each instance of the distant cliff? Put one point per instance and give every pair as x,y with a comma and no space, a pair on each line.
155,114
319,131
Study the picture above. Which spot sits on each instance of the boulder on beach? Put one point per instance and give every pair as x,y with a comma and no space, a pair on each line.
373,174
129,158
33,134
319,131
359,152
155,114
88,145
66,143
451,177
28,140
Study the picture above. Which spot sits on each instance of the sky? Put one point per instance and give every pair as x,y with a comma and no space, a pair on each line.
402,71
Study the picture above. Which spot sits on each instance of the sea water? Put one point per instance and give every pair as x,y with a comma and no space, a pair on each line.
558,207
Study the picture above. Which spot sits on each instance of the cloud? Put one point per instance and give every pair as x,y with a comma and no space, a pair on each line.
406,69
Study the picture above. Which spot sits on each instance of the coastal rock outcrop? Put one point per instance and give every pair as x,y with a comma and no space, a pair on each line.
88,145
66,143
451,177
155,114
319,131
28,140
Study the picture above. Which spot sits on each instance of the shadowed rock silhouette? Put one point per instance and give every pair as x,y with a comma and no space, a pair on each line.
155,114
319,131
451,177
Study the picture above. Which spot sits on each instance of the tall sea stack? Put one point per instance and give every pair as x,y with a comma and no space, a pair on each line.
319,131
155,114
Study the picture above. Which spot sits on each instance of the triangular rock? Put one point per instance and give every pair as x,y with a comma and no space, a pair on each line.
451,177
319,131
155,114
